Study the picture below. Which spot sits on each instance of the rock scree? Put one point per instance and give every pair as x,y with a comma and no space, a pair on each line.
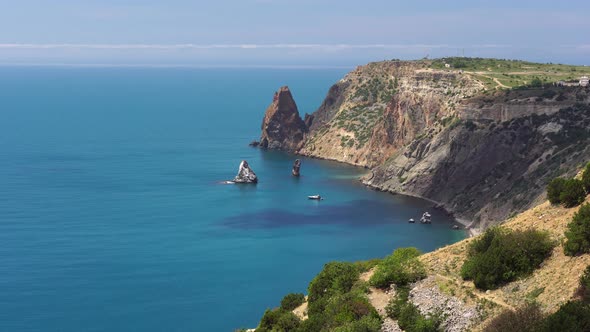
245,174
282,127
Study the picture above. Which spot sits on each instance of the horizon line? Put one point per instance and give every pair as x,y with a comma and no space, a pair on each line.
181,65
140,46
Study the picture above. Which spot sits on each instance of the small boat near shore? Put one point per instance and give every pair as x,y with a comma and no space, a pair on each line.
426,218
411,220
315,197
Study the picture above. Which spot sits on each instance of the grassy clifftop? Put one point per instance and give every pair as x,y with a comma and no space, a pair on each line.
498,73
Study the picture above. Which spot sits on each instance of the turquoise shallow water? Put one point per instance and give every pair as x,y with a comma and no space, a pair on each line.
113,217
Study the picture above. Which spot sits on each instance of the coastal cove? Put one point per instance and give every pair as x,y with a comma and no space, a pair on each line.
114,215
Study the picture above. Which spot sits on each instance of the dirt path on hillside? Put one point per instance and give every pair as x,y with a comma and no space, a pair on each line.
480,295
500,83
483,74
377,297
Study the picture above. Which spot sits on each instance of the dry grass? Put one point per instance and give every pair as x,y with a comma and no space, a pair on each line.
551,285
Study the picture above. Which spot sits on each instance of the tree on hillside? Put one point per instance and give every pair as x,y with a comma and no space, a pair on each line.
586,178
536,82
573,193
578,233
554,189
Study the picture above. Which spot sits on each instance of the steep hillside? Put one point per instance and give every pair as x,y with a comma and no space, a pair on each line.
380,107
484,170
553,284
479,136
442,290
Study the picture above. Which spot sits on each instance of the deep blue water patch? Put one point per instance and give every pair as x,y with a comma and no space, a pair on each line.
355,213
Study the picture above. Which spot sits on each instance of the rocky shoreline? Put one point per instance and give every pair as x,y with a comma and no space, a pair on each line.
439,135
467,224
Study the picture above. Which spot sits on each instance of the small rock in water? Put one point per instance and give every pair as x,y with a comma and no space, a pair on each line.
296,167
245,174
254,143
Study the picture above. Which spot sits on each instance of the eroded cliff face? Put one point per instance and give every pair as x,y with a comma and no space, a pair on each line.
380,107
510,104
282,127
439,134
483,170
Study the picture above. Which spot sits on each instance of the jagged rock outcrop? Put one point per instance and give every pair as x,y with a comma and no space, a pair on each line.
282,127
245,174
296,167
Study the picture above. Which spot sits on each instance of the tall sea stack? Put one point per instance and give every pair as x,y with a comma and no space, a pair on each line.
296,167
282,127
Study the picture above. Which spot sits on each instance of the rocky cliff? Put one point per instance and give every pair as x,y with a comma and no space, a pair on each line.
484,170
282,127
378,108
451,136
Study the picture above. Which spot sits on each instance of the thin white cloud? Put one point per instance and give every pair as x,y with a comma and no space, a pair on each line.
235,46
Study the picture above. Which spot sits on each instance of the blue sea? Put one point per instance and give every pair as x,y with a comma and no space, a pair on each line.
114,217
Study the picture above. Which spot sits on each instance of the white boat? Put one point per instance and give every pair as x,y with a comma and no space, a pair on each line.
411,221
426,218
316,197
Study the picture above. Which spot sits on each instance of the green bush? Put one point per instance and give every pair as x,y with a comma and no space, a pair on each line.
292,301
335,278
337,301
400,268
393,308
347,308
364,266
536,82
586,178
312,324
365,324
408,316
584,289
574,316
578,233
554,189
501,256
569,192
525,319
573,193
278,320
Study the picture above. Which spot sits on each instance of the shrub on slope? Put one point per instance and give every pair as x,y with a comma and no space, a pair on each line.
586,178
573,193
578,233
400,268
554,189
292,301
569,192
500,256
408,316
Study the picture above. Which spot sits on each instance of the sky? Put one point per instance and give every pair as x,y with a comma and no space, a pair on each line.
319,33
